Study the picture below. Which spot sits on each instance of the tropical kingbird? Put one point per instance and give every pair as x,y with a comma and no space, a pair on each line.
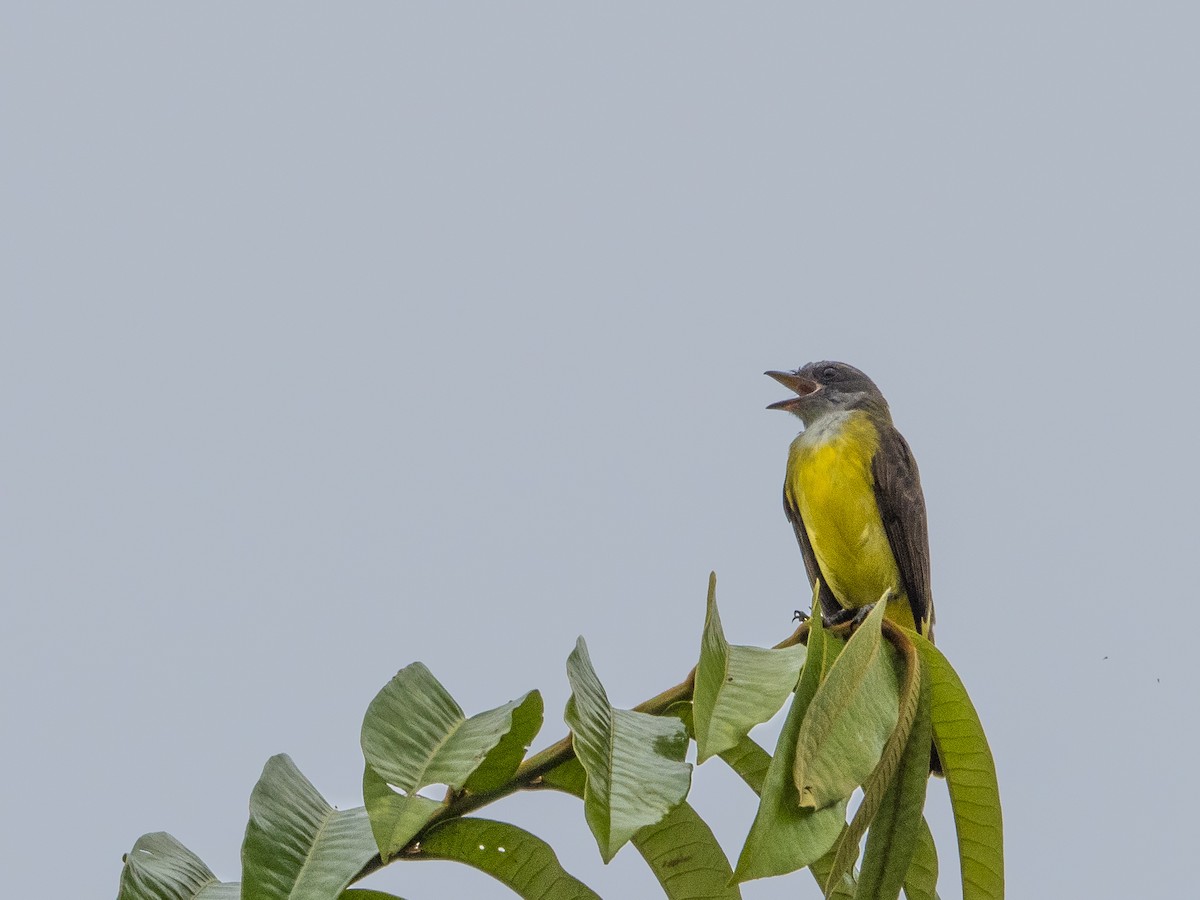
853,496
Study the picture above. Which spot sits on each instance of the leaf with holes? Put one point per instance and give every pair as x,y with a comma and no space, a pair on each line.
160,868
521,861
395,818
414,734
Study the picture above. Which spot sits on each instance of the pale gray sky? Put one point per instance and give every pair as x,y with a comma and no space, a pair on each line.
337,338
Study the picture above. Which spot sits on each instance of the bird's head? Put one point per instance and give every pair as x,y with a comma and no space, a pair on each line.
826,387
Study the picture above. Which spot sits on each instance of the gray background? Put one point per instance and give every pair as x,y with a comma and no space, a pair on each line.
339,338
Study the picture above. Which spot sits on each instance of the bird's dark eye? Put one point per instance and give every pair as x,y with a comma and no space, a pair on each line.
829,373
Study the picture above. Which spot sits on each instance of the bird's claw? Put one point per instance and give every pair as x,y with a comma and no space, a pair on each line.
860,615
855,617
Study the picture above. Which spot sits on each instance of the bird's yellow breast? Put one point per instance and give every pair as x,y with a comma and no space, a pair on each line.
830,482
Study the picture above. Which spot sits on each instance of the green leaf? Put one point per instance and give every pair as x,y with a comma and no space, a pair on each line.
785,836
297,846
921,881
750,761
634,761
685,857
737,687
500,764
523,862
160,868
892,840
847,886
568,777
681,849
970,777
395,818
850,719
361,894
414,734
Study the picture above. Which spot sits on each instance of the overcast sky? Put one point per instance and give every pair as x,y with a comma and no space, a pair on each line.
334,339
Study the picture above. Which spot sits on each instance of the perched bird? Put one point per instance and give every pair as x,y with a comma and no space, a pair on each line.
853,496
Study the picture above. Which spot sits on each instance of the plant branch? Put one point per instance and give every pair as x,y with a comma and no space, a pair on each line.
534,767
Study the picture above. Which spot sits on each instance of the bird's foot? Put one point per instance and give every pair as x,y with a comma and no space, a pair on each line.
842,616
861,614
855,617
858,615
800,616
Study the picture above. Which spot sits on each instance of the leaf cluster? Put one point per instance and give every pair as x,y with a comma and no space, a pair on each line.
867,704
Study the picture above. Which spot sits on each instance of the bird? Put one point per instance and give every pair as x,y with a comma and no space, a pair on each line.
853,495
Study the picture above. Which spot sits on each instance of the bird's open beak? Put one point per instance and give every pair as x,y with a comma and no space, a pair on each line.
793,381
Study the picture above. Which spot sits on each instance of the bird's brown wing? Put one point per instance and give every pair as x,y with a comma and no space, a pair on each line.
829,604
902,506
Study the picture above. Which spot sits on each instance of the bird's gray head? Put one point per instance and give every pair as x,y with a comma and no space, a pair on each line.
828,387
